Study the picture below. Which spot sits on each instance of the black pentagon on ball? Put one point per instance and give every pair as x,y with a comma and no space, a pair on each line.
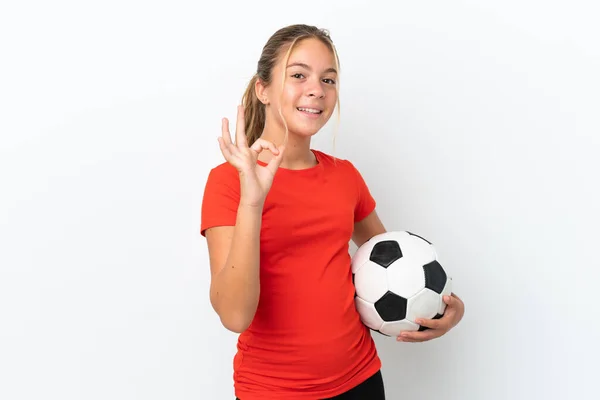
385,253
391,307
435,277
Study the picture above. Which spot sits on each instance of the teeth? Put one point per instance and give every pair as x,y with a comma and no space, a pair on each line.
310,110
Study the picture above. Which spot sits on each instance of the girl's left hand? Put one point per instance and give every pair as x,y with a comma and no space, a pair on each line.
454,312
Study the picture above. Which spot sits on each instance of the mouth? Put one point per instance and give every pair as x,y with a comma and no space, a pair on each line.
310,111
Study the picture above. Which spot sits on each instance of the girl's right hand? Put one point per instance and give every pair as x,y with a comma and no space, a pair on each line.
255,179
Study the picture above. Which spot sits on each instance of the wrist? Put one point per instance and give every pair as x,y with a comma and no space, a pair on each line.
251,206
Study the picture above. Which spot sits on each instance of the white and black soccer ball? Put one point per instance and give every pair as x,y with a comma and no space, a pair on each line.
398,279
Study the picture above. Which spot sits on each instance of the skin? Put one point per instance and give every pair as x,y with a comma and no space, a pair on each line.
310,81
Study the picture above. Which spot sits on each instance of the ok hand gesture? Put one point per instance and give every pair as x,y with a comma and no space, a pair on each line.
255,179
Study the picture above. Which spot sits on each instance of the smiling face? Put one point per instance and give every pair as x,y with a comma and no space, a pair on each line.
304,88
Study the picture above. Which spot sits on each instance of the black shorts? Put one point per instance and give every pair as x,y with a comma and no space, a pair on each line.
371,389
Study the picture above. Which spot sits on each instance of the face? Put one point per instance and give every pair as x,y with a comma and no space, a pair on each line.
309,94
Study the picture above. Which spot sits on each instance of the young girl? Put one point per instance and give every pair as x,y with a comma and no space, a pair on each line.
278,217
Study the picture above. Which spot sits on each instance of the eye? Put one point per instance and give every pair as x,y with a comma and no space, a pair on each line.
329,81
298,76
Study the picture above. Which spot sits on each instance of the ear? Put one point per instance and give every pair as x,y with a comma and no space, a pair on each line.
261,92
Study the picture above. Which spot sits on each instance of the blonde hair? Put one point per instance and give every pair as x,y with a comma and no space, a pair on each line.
289,36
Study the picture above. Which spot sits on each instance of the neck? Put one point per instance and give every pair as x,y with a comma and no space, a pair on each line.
297,154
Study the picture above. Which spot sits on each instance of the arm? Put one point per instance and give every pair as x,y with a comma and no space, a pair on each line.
234,253
366,228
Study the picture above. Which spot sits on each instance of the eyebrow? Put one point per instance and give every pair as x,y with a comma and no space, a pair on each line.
299,64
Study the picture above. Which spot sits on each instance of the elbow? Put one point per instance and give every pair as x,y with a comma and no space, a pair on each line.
235,321
232,320
235,324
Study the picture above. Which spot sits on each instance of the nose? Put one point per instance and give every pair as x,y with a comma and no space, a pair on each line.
316,90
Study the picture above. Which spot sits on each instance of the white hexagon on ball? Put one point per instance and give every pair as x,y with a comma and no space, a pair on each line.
371,282
405,277
416,248
424,304
394,328
447,291
368,314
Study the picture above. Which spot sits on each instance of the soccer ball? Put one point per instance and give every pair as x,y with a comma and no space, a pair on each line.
398,279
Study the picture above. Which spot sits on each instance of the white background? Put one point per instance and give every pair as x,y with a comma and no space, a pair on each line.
474,123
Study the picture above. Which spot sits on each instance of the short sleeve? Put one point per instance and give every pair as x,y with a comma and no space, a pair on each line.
365,203
221,198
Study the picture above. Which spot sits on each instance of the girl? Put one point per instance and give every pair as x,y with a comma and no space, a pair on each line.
278,217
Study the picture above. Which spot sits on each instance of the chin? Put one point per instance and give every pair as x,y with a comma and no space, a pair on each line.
304,131
303,127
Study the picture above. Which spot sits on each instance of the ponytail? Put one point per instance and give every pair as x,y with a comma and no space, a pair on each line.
254,112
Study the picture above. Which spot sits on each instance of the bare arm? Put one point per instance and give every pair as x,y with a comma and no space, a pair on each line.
234,251
368,227
234,264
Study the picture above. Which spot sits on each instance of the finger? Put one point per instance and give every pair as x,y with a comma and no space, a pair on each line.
275,162
431,323
240,129
227,147
224,149
418,336
261,144
225,134
407,340
449,300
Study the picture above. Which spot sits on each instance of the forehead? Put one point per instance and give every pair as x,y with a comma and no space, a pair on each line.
312,53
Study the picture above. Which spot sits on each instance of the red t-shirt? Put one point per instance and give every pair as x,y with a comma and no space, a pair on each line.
306,340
